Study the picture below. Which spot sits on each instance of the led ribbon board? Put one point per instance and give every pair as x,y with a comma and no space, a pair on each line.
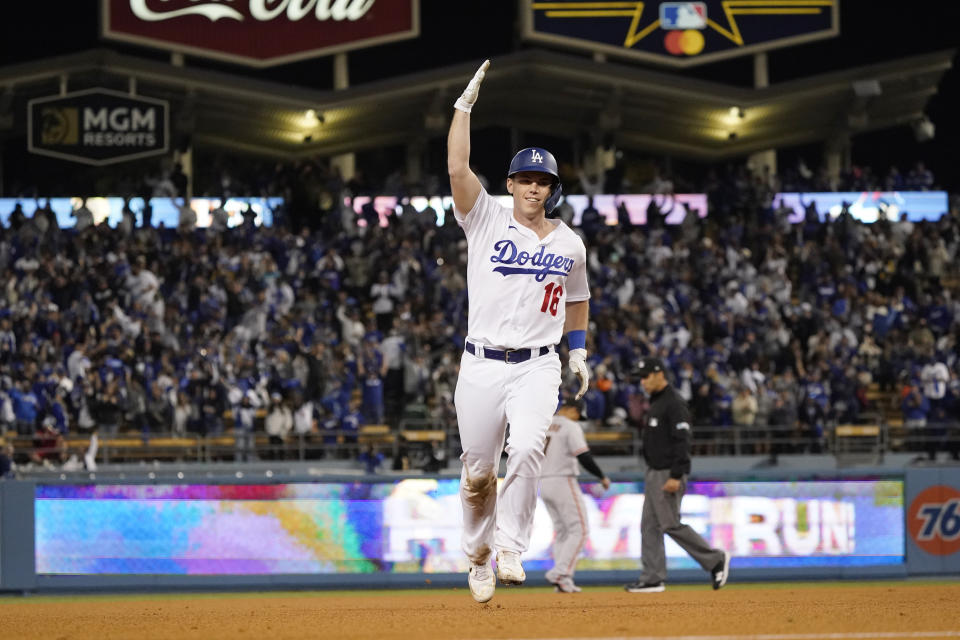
414,526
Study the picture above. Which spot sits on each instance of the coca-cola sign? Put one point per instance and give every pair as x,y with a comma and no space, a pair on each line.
260,33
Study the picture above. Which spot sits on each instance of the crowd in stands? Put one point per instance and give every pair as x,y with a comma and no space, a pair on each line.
329,326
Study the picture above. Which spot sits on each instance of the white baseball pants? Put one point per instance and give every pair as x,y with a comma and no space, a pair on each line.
564,501
489,395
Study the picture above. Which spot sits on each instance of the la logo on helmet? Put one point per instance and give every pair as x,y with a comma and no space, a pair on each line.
536,157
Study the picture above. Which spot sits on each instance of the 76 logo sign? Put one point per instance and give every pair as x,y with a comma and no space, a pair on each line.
934,520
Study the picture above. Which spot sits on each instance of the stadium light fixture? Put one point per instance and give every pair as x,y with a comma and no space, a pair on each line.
312,119
924,129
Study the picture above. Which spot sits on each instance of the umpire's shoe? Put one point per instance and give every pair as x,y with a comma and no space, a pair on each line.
721,572
644,587
482,582
509,569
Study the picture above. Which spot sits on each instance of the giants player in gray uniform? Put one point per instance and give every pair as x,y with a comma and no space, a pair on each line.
560,492
528,286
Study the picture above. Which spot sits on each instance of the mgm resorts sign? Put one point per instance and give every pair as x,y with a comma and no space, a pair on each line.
98,127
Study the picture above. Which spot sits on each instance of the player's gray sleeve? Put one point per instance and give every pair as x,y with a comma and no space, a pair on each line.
575,440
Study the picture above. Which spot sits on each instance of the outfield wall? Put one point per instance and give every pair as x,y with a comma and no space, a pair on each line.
377,531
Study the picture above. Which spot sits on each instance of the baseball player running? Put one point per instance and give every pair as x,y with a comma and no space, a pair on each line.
560,492
528,286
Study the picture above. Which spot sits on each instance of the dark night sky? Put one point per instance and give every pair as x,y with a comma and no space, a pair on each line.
457,31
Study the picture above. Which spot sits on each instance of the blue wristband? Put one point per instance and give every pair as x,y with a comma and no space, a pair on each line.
577,339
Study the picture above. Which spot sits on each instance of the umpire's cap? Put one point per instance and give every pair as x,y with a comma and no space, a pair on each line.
647,366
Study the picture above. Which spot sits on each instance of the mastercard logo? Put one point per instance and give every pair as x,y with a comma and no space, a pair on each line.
686,42
933,520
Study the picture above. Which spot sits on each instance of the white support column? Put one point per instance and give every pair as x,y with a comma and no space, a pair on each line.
761,71
346,162
185,158
414,162
760,159
836,158
768,157
341,71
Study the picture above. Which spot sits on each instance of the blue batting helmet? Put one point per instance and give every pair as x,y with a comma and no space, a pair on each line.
541,161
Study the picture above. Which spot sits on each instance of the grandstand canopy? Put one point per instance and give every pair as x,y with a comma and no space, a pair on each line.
535,91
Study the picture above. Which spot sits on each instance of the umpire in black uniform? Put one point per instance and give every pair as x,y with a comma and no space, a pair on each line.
666,449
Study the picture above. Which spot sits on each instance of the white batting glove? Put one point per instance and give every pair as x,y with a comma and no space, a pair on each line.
469,96
578,364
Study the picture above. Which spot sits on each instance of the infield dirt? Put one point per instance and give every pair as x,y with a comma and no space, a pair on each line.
817,610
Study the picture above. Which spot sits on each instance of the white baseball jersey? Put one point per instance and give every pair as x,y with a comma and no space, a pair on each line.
565,441
935,377
519,284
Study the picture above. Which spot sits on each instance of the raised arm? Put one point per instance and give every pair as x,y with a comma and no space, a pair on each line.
464,184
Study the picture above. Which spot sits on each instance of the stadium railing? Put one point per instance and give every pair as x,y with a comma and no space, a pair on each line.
421,438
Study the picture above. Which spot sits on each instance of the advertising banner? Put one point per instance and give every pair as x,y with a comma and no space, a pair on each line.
414,526
672,208
260,33
933,520
865,206
163,212
98,127
679,34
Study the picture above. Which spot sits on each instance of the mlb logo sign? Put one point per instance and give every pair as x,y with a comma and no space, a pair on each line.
683,15
680,34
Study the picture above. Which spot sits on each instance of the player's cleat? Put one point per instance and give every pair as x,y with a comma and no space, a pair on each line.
563,584
644,587
721,572
566,585
509,569
482,582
